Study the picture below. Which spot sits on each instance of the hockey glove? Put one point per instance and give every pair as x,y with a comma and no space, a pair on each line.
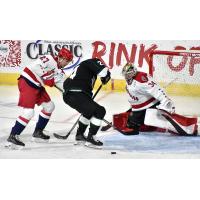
49,82
106,78
167,105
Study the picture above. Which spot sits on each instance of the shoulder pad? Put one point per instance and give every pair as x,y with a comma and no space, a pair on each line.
141,77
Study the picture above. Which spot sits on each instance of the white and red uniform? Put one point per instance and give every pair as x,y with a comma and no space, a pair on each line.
144,92
44,71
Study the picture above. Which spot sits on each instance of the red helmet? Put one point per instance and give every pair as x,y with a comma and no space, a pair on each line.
65,53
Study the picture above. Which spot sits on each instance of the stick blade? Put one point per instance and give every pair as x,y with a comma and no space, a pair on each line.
61,137
106,127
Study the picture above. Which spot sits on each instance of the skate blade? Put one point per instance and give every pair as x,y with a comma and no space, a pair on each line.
12,146
90,145
79,142
39,140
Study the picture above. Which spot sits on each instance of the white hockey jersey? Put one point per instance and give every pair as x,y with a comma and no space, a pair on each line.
144,92
44,71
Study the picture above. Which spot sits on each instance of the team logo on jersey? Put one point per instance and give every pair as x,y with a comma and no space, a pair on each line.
144,78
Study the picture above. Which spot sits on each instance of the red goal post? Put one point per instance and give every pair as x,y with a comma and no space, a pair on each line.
180,70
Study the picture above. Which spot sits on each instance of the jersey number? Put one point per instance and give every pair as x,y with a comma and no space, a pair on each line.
44,59
152,83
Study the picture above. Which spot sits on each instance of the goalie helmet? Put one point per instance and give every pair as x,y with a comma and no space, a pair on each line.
129,71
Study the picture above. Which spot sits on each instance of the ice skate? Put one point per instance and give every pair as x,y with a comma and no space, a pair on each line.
92,142
13,142
39,136
80,139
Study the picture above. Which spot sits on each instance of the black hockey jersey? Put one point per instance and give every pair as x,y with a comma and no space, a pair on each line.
84,76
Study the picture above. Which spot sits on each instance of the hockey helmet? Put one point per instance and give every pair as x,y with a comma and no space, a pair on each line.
65,53
129,71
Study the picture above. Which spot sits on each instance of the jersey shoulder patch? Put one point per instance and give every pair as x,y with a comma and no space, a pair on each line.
141,77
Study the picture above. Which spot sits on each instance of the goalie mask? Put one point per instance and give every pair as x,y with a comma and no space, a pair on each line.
129,71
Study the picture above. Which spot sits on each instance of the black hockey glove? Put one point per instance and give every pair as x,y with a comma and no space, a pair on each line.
105,79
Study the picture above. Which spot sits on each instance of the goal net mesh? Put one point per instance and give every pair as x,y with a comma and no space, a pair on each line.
179,73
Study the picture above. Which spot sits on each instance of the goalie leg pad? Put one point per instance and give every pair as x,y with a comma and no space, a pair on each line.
176,123
120,121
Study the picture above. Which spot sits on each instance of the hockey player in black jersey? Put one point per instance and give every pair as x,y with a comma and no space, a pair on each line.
78,95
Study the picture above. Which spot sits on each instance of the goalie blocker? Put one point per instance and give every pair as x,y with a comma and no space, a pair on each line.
158,121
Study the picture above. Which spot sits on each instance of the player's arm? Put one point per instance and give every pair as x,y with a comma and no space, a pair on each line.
100,69
46,69
104,75
59,79
103,72
54,76
153,89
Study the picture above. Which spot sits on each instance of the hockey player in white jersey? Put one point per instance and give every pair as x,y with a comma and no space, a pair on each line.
46,70
150,106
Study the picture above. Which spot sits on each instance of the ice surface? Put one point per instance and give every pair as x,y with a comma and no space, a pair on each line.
145,145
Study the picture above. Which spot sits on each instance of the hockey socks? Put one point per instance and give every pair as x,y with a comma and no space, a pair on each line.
43,120
19,126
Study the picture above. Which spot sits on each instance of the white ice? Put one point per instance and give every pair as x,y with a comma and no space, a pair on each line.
145,145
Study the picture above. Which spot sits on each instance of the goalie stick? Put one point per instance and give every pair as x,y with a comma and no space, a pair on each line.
106,127
114,127
178,128
64,137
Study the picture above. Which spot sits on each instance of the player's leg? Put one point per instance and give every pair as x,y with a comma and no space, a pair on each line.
47,108
27,99
91,111
181,125
95,123
77,100
82,126
20,124
135,120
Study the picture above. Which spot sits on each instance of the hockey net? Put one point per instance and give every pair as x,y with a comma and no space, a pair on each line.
179,73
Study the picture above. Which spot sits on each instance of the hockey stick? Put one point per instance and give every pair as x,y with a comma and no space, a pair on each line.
178,128
58,88
114,127
109,125
64,137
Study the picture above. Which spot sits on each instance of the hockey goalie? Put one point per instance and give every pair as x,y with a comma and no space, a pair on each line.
151,109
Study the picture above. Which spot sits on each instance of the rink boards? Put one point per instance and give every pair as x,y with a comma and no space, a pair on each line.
118,85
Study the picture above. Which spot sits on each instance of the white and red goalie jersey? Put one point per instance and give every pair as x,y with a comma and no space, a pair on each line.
44,71
144,92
